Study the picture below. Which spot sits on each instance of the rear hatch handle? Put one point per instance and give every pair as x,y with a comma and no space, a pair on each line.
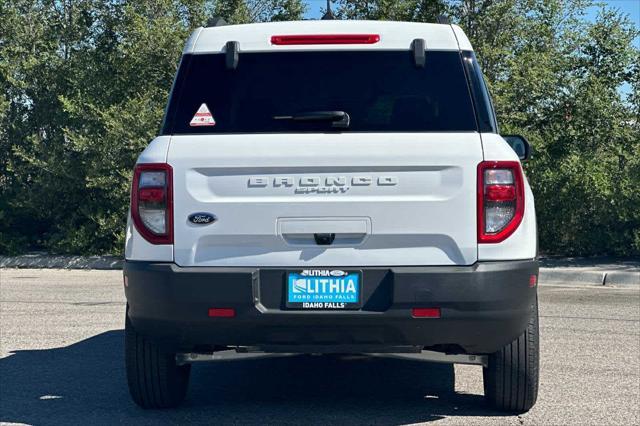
343,231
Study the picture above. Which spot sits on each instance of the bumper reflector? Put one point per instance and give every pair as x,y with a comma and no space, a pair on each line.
533,281
425,312
222,312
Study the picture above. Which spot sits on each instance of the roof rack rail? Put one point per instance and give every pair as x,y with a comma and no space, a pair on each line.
231,55
443,19
418,46
216,21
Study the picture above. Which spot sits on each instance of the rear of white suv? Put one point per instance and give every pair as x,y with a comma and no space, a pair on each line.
326,187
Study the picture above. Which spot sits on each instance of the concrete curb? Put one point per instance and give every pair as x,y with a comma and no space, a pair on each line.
612,273
39,261
585,276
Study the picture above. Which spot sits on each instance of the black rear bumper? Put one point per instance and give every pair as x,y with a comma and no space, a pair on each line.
483,307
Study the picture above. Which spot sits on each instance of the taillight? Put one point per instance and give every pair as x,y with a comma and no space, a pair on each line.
152,202
500,200
306,39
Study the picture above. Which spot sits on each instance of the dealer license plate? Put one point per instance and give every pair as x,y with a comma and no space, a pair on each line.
324,289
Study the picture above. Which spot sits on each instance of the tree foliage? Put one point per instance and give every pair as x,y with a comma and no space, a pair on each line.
84,84
84,87
571,86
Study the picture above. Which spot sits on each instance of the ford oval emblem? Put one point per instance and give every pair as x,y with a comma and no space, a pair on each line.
202,218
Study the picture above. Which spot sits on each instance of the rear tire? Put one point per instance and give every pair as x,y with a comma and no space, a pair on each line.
511,378
155,380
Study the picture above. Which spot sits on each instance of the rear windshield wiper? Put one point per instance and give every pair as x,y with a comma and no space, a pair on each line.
339,119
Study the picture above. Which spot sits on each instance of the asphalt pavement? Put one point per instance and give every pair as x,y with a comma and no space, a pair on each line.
61,363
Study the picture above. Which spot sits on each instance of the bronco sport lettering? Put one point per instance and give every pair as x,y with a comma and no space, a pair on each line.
315,184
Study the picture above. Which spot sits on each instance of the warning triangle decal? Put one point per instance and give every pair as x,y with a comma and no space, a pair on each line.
203,117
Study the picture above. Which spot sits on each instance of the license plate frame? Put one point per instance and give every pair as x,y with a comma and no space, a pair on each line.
337,294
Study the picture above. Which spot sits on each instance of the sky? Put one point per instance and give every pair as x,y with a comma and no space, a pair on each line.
629,7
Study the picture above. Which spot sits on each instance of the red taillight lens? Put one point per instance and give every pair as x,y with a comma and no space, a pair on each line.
152,202
500,200
499,192
284,40
151,195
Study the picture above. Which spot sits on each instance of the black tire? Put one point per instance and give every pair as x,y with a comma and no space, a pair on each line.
154,378
511,378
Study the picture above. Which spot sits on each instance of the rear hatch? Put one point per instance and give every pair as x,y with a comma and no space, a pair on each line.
266,149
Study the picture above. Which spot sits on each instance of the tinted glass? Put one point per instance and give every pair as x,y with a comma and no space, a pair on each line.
482,99
380,90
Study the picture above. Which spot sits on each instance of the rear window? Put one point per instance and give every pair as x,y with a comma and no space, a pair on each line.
381,91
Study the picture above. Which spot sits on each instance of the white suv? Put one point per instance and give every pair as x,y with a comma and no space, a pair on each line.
331,187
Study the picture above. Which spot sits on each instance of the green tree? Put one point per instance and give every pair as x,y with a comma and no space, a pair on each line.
586,174
84,86
557,78
84,83
391,10
246,11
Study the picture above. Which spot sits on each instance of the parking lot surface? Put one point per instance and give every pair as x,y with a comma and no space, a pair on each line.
61,363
